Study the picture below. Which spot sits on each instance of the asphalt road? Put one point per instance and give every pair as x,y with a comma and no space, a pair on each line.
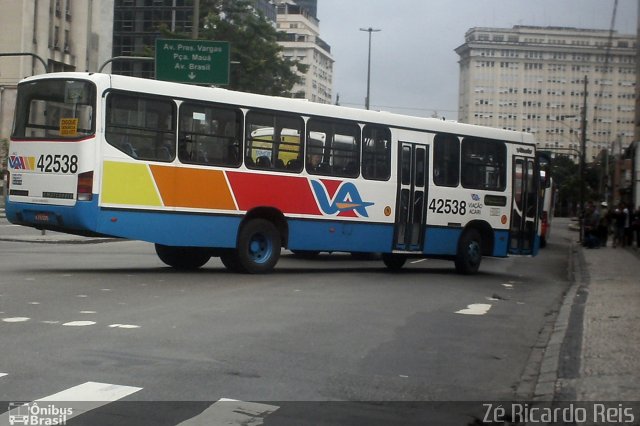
169,344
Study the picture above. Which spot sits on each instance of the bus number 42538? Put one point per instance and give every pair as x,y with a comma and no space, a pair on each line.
448,206
58,163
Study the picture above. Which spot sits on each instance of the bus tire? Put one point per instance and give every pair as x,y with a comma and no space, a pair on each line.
258,248
230,260
393,262
469,253
184,258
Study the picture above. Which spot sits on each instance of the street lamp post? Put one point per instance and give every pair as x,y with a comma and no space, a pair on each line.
369,30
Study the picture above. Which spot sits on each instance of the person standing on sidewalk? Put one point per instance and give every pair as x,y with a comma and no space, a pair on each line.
635,225
603,225
618,226
591,224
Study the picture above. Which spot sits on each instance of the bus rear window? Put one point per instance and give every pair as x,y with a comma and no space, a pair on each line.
55,109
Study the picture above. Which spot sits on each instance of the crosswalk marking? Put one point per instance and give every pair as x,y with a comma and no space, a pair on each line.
79,399
60,407
232,412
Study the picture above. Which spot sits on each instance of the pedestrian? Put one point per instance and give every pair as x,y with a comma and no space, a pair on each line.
619,222
590,223
628,233
603,225
635,224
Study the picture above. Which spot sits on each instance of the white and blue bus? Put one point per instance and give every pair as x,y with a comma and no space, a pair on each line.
204,172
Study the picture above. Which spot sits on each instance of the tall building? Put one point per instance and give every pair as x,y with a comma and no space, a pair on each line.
533,79
137,24
67,35
301,41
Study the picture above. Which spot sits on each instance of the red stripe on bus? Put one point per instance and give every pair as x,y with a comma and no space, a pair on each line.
288,194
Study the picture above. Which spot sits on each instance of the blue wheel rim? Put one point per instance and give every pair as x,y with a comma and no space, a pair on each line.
260,248
473,251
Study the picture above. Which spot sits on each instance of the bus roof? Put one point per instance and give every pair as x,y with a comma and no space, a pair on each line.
298,106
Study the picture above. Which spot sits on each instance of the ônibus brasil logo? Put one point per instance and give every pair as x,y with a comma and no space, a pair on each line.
340,198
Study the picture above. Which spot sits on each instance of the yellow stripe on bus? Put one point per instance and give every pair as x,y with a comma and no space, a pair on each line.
129,184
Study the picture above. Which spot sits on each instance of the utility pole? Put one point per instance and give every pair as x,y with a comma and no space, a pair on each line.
369,30
196,19
635,168
583,149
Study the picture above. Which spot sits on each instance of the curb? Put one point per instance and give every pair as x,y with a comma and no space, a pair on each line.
540,379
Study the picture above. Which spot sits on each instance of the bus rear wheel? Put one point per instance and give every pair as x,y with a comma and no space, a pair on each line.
393,262
184,258
469,253
258,247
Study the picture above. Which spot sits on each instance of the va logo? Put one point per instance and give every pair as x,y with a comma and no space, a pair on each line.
17,162
345,200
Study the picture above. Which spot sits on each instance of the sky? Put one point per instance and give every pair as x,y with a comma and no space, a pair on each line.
414,68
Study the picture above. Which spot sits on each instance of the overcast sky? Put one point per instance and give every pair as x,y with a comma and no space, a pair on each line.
414,69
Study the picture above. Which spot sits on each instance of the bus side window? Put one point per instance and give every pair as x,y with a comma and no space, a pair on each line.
376,153
209,134
333,147
446,160
274,141
143,127
484,164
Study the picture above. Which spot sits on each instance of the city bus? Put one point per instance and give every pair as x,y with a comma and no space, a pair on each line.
205,171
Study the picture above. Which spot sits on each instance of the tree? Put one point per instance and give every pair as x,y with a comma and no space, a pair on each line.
257,64
566,176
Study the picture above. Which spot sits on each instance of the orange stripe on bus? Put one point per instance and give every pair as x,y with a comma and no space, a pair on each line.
193,188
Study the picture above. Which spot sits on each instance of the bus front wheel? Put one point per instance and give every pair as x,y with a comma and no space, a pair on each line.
185,258
469,253
258,248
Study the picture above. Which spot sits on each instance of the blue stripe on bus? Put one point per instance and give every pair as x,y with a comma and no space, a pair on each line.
441,241
81,217
501,243
444,241
172,229
340,236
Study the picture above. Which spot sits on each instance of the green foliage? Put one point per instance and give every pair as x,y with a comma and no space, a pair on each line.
566,176
257,65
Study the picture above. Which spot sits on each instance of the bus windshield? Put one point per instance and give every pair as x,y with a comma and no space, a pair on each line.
58,109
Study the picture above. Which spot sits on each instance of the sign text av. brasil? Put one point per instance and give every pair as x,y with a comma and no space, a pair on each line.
192,61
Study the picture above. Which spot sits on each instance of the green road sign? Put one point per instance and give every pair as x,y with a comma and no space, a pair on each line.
192,61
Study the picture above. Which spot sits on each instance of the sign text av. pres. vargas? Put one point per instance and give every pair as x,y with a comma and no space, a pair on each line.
192,61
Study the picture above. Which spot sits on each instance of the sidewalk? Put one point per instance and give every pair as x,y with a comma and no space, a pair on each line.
600,350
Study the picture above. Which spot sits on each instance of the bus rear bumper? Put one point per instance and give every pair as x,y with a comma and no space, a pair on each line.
77,219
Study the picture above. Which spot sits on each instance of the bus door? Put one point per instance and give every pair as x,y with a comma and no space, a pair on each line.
412,194
524,215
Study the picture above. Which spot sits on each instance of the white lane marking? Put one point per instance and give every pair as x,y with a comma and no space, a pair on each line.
419,260
508,286
34,303
475,309
232,412
124,326
88,312
80,399
15,319
3,374
78,323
